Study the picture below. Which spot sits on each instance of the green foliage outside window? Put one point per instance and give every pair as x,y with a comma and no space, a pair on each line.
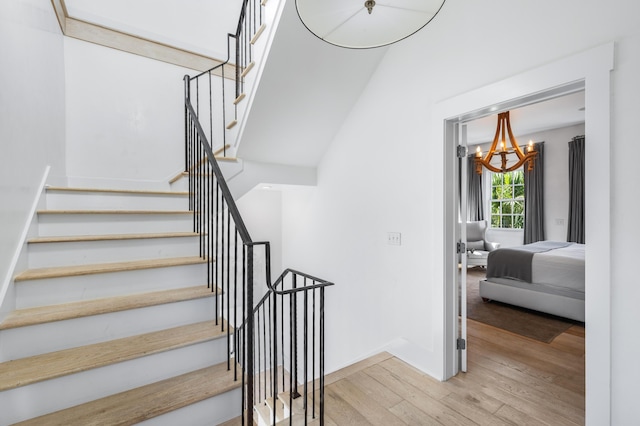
507,200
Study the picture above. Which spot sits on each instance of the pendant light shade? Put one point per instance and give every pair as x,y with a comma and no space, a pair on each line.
360,24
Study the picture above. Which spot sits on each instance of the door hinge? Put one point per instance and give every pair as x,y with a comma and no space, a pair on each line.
461,151
461,247
461,343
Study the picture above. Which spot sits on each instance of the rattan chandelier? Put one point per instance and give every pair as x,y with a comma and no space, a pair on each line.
503,130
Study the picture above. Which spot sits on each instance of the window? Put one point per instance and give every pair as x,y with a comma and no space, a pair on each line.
507,200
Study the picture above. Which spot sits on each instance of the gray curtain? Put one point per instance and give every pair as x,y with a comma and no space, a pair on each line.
534,198
575,226
475,197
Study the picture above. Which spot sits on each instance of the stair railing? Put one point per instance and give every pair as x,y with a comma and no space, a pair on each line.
217,92
289,348
231,271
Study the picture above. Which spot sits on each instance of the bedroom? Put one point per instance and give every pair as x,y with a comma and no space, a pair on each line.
554,122
500,199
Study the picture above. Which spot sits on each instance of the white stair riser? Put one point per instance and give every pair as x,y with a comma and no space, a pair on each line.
264,415
44,255
85,287
54,336
211,411
63,200
63,392
92,224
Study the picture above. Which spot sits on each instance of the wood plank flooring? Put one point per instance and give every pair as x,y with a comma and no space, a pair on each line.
511,380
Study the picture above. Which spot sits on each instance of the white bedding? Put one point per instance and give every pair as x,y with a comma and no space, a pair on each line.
561,267
557,285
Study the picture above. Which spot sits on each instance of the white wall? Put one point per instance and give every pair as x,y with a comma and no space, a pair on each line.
32,102
261,210
556,178
125,115
383,173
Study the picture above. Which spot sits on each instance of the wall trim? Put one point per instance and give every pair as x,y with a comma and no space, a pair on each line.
103,36
591,68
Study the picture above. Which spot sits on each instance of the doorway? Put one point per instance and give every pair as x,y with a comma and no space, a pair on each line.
589,71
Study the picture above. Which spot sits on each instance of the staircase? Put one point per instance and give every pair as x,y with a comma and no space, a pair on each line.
138,306
114,323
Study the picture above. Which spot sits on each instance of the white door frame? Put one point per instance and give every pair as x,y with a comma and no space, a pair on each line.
591,70
462,220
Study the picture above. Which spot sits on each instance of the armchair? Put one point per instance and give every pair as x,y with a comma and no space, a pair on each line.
478,247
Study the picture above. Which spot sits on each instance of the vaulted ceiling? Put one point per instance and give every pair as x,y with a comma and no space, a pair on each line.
307,88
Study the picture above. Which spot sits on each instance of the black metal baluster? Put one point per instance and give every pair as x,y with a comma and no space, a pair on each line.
210,111
244,353
250,330
197,99
258,356
306,348
294,315
216,237
198,194
313,351
282,334
187,126
322,350
228,281
270,334
235,300
274,343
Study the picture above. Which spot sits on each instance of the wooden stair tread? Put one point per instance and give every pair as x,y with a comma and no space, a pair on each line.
227,159
110,237
221,149
169,212
99,268
258,33
65,311
203,160
136,405
248,69
239,99
25,371
115,191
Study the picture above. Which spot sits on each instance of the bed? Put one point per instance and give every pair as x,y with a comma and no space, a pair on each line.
547,276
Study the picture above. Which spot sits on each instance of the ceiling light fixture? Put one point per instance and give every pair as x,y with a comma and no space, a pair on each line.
503,129
346,23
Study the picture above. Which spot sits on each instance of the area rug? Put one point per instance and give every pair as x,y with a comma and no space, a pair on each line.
525,322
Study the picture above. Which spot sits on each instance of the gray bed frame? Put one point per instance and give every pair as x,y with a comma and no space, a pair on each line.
560,305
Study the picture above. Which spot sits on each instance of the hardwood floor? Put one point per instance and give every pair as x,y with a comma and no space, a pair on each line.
512,380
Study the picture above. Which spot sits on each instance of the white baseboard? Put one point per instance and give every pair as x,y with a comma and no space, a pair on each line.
416,356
